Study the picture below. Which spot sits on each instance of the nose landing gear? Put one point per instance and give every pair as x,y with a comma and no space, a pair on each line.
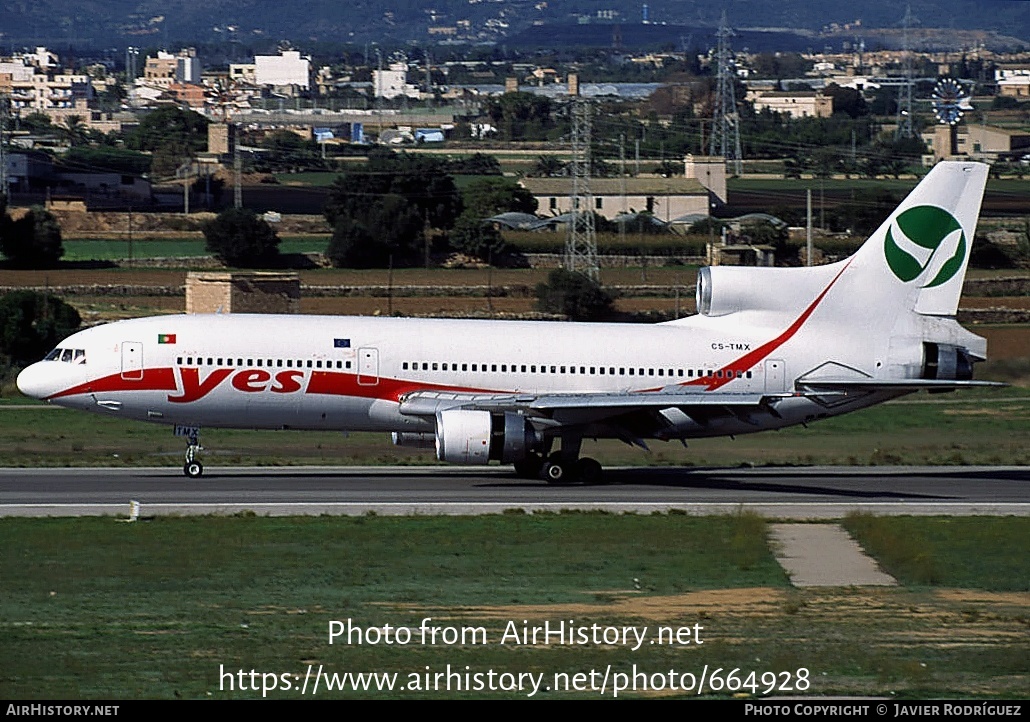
192,468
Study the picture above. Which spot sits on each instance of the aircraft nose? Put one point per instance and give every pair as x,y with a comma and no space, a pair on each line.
34,381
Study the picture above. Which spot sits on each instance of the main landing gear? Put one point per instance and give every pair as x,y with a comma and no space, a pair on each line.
561,467
192,468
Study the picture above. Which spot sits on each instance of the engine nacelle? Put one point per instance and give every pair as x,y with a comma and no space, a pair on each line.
475,437
945,361
722,290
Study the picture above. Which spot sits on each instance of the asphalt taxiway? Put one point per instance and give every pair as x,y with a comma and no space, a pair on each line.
785,493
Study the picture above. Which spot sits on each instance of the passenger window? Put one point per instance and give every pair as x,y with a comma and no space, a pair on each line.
318,364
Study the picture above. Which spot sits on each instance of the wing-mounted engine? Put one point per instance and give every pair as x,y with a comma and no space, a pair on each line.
465,436
723,290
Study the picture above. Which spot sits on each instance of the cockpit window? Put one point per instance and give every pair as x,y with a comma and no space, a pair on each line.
67,355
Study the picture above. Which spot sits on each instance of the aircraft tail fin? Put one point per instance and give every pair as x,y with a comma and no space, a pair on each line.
919,255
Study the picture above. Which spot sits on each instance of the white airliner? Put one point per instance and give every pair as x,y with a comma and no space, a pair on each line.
769,348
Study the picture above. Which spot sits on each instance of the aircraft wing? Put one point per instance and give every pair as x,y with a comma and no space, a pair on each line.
629,416
427,403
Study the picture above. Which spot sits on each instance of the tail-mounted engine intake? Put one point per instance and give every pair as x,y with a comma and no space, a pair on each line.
944,361
475,437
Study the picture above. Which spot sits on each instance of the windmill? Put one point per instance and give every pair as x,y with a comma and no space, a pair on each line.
949,101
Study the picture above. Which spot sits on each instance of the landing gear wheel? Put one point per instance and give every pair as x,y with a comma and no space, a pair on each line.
557,473
589,471
529,468
192,468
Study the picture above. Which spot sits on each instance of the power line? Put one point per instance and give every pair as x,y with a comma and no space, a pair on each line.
725,139
581,246
904,119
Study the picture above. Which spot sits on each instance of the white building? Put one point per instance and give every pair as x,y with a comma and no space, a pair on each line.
1013,80
393,83
33,83
285,69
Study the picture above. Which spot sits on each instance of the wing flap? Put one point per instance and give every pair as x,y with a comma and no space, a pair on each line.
585,405
844,385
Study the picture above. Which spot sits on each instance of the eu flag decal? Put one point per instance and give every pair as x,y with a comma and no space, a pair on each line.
166,338
338,343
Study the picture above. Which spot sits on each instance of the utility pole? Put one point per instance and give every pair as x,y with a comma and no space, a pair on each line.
581,246
808,230
622,189
237,169
5,186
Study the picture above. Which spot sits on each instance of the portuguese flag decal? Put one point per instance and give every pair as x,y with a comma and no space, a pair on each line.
166,338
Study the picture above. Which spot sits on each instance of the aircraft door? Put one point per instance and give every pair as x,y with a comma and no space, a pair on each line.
368,366
132,361
775,376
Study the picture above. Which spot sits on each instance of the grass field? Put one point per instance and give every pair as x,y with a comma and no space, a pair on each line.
106,249
96,609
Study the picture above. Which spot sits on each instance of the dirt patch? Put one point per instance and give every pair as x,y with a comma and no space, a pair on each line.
755,601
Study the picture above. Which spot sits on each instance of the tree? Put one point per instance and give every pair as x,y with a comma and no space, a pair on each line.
520,116
764,233
238,237
32,241
33,323
475,237
548,166
423,183
390,228
172,135
574,295
846,101
489,196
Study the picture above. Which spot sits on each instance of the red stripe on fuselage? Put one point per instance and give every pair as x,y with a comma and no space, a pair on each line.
750,360
162,379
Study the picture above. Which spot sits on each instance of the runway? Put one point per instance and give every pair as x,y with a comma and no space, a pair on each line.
782,493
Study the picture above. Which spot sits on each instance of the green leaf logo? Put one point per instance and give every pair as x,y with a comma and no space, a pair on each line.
925,227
